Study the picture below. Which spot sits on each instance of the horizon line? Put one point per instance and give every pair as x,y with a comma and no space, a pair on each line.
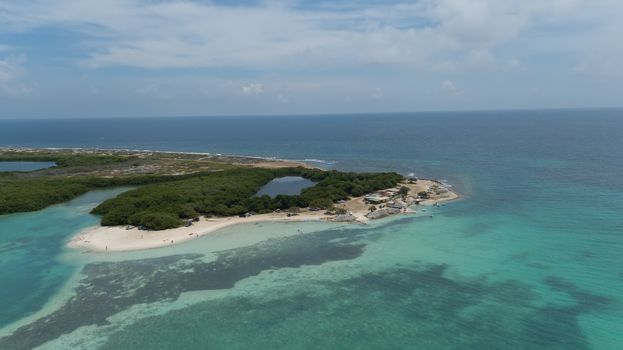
328,114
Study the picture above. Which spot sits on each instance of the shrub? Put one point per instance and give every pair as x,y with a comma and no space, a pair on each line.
404,191
159,221
321,203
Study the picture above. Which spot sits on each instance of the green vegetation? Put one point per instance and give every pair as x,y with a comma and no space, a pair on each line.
29,191
341,211
77,172
64,160
231,192
30,194
404,191
321,203
171,187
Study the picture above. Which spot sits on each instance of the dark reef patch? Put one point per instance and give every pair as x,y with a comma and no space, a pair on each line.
585,300
556,326
412,306
539,266
519,257
109,288
402,308
587,254
478,228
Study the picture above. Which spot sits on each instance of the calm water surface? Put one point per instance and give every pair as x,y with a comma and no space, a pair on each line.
287,185
24,166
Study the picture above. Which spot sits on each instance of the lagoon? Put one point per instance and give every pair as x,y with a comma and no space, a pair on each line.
287,185
24,166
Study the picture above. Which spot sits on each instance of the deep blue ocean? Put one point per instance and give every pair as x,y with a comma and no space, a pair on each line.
530,258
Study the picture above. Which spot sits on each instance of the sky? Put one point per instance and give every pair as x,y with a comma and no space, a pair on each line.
113,58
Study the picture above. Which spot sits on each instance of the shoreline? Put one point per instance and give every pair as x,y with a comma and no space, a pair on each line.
264,161
120,239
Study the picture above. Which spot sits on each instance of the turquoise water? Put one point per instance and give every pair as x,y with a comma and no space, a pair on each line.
530,258
30,245
287,185
24,166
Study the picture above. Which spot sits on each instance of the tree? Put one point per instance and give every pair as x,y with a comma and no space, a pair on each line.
404,191
159,221
340,211
372,208
321,203
423,194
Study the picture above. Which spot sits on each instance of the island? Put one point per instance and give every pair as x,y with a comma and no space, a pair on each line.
174,197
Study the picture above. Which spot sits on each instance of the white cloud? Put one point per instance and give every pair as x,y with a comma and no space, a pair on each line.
451,88
253,89
377,93
148,89
429,34
580,68
328,56
513,63
283,99
10,71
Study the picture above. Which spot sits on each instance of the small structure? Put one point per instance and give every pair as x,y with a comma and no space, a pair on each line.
344,218
398,204
411,200
376,198
388,193
392,191
381,213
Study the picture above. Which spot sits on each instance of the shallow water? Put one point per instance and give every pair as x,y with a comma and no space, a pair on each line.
30,245
530,258
24,166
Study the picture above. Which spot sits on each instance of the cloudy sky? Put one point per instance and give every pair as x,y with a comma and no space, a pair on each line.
70,58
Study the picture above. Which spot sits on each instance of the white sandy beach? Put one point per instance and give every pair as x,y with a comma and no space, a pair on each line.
118,238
